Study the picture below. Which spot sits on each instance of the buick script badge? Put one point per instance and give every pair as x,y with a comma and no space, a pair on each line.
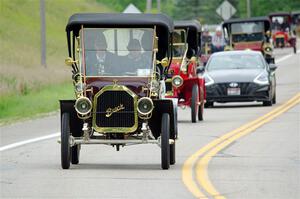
110,111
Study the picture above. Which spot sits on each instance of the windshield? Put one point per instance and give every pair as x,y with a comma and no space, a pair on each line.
247,27
280,23
179,45
237,61
118,52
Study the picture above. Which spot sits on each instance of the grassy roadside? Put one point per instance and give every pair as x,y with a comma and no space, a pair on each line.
16,107
26,88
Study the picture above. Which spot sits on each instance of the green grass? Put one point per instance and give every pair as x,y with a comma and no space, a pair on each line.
44,100
20,41
26,88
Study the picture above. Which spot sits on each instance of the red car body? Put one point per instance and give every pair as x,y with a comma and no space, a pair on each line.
191,91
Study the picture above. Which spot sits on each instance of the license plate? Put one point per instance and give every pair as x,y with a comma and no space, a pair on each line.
233,91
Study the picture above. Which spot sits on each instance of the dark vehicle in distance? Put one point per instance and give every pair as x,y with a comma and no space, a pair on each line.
119,63
282,33
251,33
296,22
239,76
184,82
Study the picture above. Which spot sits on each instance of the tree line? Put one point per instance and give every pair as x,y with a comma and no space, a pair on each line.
205,10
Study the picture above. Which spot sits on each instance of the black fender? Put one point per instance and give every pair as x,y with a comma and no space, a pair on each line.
163,106
76,124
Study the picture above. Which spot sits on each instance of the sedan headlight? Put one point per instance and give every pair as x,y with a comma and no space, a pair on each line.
145,106
177,81
83,105
208,80
262,79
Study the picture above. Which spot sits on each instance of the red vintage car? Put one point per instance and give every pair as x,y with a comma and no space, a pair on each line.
184,81
282,33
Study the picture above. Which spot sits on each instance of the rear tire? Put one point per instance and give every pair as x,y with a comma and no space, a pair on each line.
295,49
267,103
172,154
201,106
165,145
65,143
209,104
75,154
274,98
194,103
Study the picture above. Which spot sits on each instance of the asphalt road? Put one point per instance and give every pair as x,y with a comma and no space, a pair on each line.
264,164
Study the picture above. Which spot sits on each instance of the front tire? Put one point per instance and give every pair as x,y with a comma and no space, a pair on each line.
65,141
165,145
194,103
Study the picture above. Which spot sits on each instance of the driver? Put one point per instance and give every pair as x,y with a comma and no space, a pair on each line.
99,60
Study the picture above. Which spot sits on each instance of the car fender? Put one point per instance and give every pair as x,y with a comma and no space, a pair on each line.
76,124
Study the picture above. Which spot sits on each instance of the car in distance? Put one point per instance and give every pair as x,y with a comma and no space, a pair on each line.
184,82
282,30
239,76
252,33
119,63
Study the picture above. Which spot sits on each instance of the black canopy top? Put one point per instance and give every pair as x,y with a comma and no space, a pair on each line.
226,24
193,28
252,19
190,24
117,20
274,14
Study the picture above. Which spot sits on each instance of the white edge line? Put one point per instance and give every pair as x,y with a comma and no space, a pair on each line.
17,144
285,57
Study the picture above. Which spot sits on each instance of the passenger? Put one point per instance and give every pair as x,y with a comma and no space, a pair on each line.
134,58
218,41
99,60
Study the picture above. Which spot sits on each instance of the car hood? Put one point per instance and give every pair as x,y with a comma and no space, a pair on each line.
234,75
135,84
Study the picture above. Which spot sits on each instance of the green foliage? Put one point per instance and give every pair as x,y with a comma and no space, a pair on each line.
205,10
21,70
263,7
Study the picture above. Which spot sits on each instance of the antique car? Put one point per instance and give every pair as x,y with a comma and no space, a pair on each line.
239,76
184,82
251,33
282,33
119,63
296,22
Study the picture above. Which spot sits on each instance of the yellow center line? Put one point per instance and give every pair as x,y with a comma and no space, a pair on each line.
217,145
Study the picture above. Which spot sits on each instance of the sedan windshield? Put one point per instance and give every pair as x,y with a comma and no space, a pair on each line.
237,61
117,52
